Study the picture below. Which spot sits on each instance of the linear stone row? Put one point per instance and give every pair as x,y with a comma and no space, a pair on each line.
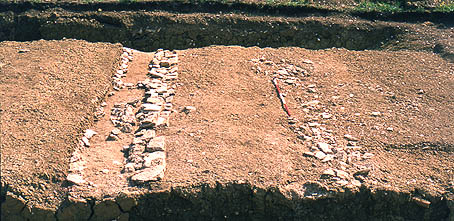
77,163
146,156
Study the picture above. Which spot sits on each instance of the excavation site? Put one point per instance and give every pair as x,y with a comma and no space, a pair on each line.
174,110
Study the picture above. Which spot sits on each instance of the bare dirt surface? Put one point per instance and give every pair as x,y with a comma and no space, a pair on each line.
396,108
49,90
240,132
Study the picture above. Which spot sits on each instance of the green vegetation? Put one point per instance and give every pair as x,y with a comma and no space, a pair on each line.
367,6
445,7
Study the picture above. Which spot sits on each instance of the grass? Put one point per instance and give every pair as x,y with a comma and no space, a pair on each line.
368,6
445,6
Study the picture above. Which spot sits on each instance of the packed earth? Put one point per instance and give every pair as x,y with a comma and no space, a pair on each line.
102,131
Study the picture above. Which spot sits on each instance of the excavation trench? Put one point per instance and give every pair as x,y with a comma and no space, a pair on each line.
233,200
148,31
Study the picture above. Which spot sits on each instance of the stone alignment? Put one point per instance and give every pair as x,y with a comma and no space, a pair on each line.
146,156
77,163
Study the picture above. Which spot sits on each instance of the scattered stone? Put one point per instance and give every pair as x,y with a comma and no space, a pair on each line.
326,115
129,168
350,137
189,109
329,173
356,183
309,154
85,141
368,155
89,133
326,148
75,179
362,172
375,113
421,202
320,155
342,174
307,61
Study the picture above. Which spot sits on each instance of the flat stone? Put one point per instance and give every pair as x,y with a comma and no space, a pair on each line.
75,178
115,131
156,144
342,174
356,183
329,173
154,73
151,107
326,148
89,133
375,113
421,202
149,174
350,137
154,159
309,154
189,109
85,141
367,155
320,155
326,115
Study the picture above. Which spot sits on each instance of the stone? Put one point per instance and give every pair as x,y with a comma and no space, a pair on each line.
151,107
342,174
309,154
326,148
326,115
154,159
342,182
149,174
375,113
329,173
75,179
156,144
89,133
328,158
115,131
189,109
127,128
307,61
421,202
85,141
356,183
153,73
350,137
362,172
320,155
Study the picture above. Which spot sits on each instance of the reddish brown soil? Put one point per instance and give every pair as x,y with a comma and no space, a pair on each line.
239,132
48,95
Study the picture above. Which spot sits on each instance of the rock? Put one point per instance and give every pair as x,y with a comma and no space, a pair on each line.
115,131
309,154
328,157
127,128
151,107
342,174
307,61
362,172
313,124
342,182
421,202
153,73
326,148
329,173
375,113
154,159
350,137
356,183
85,141
75,179
89,133
320,155
149,174
156,144
326,115
189,109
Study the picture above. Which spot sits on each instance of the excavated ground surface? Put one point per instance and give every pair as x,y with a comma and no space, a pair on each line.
396,108
49,90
